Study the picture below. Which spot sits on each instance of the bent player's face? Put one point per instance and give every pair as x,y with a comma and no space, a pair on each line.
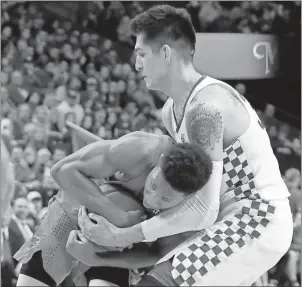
151,64
158,194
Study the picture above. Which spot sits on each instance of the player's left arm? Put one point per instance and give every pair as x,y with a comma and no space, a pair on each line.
91,254
137,257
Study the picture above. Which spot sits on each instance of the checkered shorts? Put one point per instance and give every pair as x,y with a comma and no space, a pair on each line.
220,242
226,237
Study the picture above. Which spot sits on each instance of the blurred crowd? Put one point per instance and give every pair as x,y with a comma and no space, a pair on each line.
54,70
281,18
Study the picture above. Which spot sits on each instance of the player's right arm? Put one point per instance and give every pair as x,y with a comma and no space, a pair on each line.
92,160
129,154
73,174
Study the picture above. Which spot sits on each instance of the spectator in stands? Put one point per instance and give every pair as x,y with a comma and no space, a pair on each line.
241,88
34,100
99,120
30,156
104,77
87,123
75,71
40,138
7,128
268,116
24,114
112,122
90,81
19,231
28,133
132,109
41,117
142,96
42,161
151,125
208,13
123,30
22,171
91,87
70,104
36,204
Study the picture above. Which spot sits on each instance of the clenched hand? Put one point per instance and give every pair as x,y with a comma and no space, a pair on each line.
100,231
84,250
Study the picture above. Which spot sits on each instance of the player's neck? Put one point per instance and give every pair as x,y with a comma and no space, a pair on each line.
182,81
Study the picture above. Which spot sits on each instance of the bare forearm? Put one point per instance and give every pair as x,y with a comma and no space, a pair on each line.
89,195
130,259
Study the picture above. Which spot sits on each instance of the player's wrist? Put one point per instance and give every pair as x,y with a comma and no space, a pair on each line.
131,235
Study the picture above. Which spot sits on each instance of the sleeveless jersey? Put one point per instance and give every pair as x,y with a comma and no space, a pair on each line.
250,168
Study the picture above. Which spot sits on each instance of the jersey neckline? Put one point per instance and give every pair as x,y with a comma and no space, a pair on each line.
178,125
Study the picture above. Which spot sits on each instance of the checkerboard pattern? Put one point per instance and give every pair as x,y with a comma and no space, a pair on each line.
226,237
216,246
236,170
245,191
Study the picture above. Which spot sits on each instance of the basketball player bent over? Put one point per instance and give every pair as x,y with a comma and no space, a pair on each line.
133,159
254,227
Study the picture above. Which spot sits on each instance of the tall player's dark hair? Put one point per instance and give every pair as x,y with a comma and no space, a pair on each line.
165,24
186,167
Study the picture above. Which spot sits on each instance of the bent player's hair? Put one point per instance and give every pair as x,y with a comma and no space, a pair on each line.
186,167
165,24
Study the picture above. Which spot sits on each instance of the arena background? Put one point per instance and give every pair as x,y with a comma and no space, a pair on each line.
74,60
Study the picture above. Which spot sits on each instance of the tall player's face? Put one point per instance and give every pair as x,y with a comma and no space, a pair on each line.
150,63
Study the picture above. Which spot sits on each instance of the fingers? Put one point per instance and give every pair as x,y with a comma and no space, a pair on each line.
84,211
84,222
83,218
72,240
80,218
73,235
82,238
94,217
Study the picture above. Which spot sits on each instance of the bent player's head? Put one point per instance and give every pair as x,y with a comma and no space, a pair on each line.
165,39
185,169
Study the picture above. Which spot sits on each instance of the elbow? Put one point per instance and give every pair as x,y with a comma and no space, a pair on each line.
55,170
213,214
60,170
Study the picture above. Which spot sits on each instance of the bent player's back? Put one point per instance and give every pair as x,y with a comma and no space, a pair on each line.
145,149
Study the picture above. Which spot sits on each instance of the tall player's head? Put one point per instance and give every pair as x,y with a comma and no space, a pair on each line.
182,171
165,41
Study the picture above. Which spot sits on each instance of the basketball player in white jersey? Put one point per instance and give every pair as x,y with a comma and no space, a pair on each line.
254,227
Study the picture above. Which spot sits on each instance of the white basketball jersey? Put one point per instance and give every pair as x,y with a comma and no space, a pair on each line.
250,168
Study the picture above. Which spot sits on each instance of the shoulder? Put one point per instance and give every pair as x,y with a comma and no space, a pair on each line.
134,144
212,95
208,104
